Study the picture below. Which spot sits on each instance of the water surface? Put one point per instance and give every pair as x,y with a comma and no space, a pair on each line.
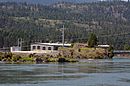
115,72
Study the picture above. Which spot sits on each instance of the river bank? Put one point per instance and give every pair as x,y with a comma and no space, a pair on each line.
9,57
64,55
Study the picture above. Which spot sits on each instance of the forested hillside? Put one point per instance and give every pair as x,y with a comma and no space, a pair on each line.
48,2
110,21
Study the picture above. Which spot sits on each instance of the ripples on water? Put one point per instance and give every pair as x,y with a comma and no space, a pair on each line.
115,72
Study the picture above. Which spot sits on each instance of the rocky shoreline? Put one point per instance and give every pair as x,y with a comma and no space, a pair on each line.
72,54
32,58
64,55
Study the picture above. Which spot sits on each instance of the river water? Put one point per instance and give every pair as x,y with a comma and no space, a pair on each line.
115,72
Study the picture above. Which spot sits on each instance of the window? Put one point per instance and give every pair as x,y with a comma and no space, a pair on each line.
38,47
43,48
49,48
34,47
55,48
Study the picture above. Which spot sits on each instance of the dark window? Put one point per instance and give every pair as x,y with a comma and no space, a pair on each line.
38,47
55,48
49,48
44,48
34,47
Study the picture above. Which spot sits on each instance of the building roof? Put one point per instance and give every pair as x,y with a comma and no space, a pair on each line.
52,44
105,46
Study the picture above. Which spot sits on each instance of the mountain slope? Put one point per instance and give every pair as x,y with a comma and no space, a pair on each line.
47,2
109,21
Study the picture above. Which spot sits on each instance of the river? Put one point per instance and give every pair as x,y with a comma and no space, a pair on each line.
108,72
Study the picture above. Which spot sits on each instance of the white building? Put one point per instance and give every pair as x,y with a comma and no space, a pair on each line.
104,46
15,48
47,46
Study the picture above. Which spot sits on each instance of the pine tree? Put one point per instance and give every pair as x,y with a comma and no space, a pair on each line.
92,41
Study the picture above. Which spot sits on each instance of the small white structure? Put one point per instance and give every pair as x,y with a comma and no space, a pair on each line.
104,46
15,48
40,48
47,46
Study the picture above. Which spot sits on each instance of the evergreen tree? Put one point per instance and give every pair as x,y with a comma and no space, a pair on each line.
110,49
92,41
126,47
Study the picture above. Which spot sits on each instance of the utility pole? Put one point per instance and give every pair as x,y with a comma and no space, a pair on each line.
20,41
63,35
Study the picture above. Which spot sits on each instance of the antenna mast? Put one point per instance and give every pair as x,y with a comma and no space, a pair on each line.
63,35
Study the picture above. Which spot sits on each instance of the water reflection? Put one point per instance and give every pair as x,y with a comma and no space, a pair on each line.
114,72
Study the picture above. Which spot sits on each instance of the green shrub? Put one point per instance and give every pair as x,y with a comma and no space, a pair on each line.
27,59
16,58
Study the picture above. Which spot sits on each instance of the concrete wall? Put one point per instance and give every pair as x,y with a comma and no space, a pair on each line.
15,48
